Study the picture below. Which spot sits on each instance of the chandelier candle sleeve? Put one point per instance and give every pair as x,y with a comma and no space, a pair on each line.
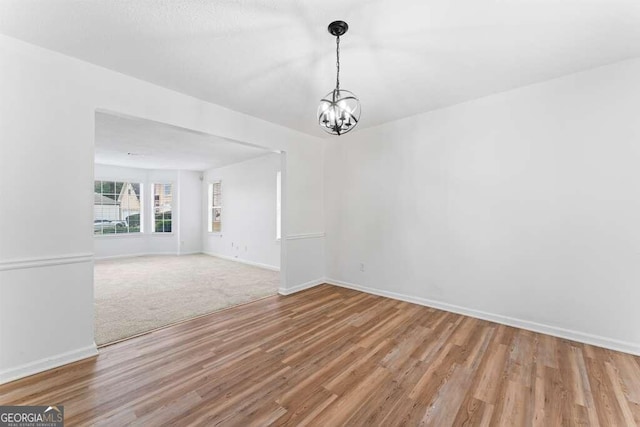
339,110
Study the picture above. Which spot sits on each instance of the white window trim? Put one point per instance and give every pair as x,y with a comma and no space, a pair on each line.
152,227
133,180
210,208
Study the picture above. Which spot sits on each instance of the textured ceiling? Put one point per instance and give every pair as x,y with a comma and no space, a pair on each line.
275,59
153,146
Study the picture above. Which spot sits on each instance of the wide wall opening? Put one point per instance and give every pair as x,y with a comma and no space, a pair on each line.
184,224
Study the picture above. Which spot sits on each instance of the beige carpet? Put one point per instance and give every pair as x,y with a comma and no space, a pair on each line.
139,294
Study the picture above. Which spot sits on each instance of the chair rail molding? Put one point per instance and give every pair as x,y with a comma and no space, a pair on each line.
45,261
305,236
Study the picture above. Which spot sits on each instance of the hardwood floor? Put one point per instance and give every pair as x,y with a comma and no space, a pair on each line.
330,356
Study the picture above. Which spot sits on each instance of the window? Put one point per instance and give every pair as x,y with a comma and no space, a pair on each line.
162,203
116,207
215,207
278,205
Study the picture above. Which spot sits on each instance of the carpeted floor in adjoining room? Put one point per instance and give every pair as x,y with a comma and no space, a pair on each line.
135,295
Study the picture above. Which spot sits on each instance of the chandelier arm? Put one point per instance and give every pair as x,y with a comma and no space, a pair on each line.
347,97
352,116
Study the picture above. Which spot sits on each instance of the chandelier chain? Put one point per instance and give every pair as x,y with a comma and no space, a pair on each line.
338,63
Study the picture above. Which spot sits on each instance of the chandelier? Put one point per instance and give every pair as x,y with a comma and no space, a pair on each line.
339,110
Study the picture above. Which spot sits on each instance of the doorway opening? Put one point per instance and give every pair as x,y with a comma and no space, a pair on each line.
185,224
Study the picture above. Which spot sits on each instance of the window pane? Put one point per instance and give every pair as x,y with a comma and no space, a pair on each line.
216,220
215,208
115,202
217,194
162,204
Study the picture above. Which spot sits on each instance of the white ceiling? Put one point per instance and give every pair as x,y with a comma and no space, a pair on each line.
275,59
160,146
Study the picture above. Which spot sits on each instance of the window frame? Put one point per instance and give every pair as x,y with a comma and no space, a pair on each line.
211,207
162,193
140,197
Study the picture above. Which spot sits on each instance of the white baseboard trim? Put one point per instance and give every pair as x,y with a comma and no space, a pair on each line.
144,254
301,287
596,340
242,261
42,365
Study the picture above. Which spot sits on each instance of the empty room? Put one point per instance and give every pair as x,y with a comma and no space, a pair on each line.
253,213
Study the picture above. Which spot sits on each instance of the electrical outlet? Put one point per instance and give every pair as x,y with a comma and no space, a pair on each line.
362,267
245,249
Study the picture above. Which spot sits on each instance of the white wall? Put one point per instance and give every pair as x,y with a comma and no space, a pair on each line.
190,212
522,207
47,112
248,212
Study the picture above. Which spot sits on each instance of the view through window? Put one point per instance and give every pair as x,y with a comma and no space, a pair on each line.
162,203
116,207
215,207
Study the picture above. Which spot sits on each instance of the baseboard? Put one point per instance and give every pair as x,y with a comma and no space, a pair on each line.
144,254
242,261
42,365
596,340
189,253
301,287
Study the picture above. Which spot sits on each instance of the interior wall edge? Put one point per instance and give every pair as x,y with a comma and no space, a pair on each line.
305,261
582,337
307,285
47,363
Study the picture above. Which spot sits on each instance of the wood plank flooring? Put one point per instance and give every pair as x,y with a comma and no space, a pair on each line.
330,356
